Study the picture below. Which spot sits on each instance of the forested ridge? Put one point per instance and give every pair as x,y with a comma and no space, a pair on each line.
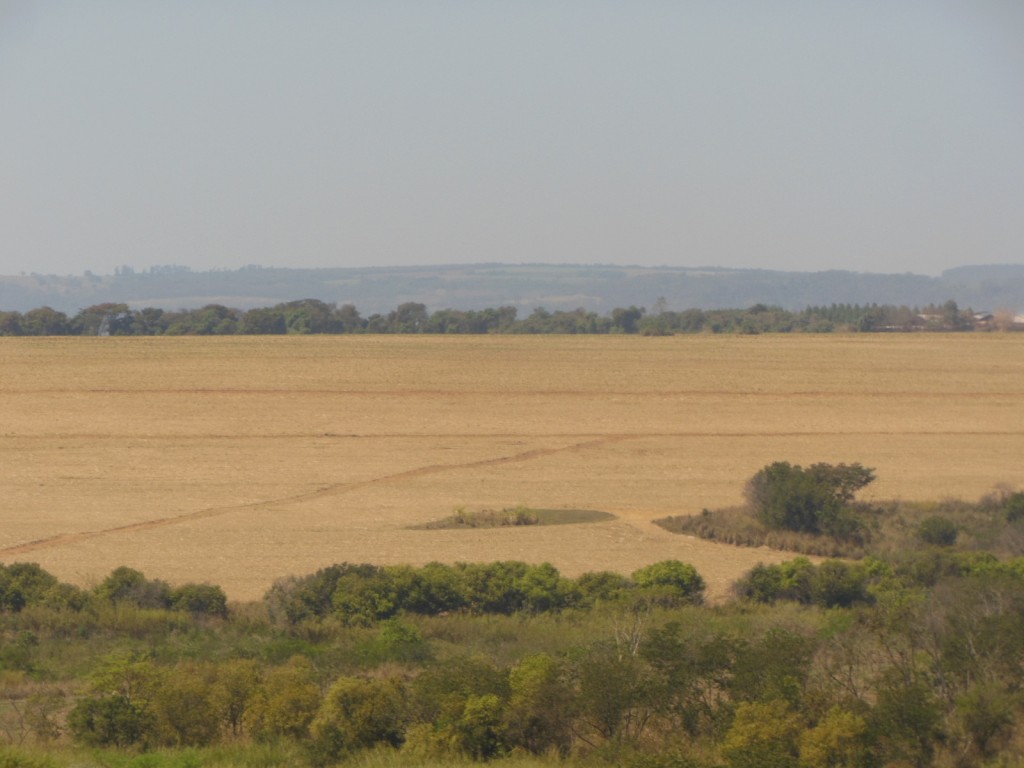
909,659
311,316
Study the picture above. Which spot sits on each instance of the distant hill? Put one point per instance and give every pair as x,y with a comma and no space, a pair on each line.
597,288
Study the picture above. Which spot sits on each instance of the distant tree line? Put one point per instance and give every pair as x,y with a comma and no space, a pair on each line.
311,316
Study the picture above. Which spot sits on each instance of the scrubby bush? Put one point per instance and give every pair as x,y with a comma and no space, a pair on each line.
832,584
127,585
1013,507
937,531
204,599
358,714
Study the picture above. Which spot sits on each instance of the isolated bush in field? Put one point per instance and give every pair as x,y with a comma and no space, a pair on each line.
813,500
937,531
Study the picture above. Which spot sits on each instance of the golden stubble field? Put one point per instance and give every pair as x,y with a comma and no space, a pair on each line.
240,460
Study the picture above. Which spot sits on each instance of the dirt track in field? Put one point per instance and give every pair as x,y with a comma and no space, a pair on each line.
241,460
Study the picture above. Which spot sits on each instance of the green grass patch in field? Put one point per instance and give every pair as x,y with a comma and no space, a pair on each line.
516,516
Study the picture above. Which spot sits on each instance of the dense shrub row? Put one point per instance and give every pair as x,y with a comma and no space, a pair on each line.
914,662
26,584
364,594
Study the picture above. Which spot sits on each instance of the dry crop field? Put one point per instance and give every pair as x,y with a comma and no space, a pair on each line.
238,460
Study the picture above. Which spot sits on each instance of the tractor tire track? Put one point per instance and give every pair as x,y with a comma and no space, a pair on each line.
335,489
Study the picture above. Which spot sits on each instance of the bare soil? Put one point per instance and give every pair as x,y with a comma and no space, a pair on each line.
241,460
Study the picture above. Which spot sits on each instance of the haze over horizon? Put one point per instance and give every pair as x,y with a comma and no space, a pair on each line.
797,136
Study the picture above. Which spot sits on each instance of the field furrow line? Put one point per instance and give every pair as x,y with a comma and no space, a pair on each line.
64,539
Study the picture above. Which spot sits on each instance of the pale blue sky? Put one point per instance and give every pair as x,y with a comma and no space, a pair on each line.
871,136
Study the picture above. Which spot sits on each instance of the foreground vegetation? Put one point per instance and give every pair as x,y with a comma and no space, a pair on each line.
912,660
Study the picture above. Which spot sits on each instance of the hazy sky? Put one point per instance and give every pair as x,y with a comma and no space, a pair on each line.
881,136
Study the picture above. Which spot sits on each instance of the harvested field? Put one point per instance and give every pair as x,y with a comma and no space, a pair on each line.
237,460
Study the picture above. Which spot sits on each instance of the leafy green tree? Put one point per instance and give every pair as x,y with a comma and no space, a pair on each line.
398,640
433,589
815,500
838,584
23,584
263,321
127,585
541,707
186,708
839,740
286,703
692,667
45,321
763,735
308,316
150,321
478,732
597,586
357,714
10,324
775,666
347,319
410,317
791,580
1013,507
625,320
545,589
615,694
440,692
493,587
907,719
109,721
987,712
211,320
677,582
365,594
233,689
200,599
119,709
104,319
